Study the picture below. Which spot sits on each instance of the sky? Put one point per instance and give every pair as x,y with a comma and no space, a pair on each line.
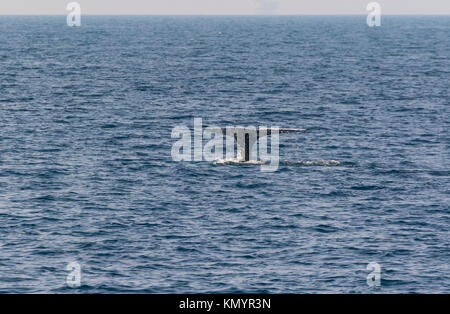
223,7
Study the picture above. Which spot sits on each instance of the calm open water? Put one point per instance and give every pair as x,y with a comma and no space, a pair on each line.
86,173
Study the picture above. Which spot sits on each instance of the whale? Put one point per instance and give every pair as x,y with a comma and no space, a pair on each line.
247,137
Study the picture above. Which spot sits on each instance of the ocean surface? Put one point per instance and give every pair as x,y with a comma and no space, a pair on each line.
86,173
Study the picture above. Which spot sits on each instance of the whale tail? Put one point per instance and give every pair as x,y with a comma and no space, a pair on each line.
246,138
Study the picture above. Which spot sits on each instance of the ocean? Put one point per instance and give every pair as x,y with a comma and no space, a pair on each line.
87,177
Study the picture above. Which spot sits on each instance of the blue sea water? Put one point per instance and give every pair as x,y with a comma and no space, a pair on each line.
86,173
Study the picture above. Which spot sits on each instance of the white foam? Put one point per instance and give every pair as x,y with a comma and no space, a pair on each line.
324,163
237,161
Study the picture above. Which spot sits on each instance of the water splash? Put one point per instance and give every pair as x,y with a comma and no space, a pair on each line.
323,163
237,161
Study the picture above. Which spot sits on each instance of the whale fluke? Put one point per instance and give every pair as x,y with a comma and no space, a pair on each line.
269,130
245,137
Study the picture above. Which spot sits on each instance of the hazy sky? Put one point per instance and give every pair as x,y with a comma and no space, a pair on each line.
224,6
